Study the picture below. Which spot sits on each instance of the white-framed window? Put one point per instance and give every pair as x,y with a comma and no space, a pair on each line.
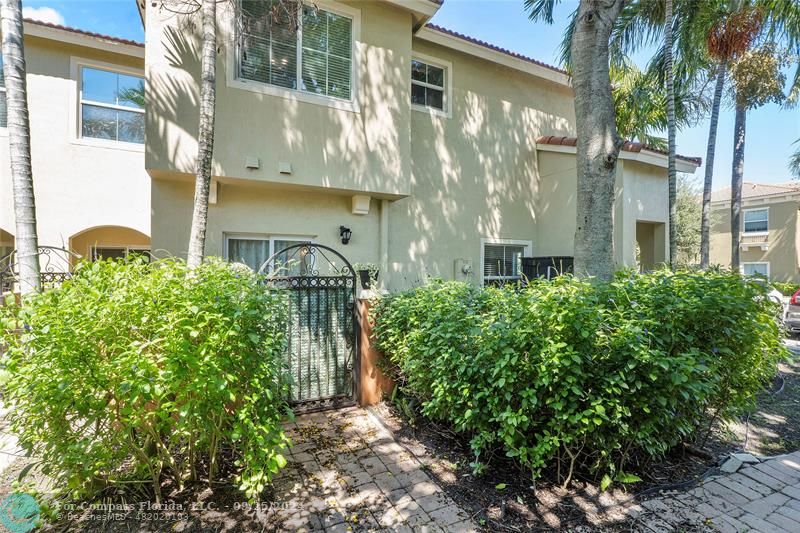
756,220
254,250
100,252
501,259
111,105
430,84
311,53
3,111
760,269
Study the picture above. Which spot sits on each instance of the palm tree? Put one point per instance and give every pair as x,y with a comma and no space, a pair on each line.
205,135
640,102
757,80
671,126
725,40
19,141
598,142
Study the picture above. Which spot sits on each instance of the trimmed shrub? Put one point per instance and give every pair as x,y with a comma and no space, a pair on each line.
787,289
574,374
138,373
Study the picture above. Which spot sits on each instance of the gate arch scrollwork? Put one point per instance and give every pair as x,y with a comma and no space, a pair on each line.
322,349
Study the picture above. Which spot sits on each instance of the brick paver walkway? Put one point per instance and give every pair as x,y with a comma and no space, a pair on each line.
763,497
347,473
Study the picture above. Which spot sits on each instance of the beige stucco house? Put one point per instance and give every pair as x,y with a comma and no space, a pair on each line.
87,143
770,240
445,156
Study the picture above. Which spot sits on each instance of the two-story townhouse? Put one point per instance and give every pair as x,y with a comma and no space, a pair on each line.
441,154
770,233
85,100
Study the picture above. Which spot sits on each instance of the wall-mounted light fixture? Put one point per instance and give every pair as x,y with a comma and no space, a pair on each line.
345,234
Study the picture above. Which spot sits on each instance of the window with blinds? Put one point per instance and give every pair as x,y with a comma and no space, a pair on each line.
502,262
756,220
311,53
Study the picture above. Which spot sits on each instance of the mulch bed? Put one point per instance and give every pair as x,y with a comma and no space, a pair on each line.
772,428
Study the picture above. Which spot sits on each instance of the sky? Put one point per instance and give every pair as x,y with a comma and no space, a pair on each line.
771,130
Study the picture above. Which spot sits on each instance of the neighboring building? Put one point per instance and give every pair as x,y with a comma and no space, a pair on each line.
770,240
442,154
87,143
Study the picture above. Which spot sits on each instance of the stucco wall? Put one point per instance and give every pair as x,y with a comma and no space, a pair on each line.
474,174
259,209
362,150
79,184
471,175
783,247
641,196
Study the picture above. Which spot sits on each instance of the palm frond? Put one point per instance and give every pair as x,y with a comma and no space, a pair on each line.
541,10
565,48
794,161
640,24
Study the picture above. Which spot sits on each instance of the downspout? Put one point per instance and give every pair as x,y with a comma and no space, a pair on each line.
383,251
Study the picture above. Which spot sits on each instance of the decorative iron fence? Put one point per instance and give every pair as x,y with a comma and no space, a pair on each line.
55,265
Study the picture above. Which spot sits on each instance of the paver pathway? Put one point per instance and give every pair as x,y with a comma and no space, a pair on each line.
347,473
763,497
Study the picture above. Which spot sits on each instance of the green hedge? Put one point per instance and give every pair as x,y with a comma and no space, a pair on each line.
134,373
787,289
570,373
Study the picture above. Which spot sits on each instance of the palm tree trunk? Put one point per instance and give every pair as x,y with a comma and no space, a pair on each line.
671,172
737,175
705,222
205,136
598,143
19,141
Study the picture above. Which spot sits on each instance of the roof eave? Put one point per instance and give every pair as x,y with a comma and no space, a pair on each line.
682,164
421,10
496,56
80,38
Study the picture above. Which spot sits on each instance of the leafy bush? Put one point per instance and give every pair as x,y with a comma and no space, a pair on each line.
137,373
573,374
787,289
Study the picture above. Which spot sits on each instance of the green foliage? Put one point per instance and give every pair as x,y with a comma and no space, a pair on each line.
134,372
758,77
794,161
640,100
689,207
787,289
578,374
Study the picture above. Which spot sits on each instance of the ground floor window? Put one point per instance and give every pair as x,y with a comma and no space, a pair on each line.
756,269
255,250
117,252
501,260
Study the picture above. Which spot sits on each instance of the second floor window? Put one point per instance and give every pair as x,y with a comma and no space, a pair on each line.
112,105
309,50
3,112
756,220
427,85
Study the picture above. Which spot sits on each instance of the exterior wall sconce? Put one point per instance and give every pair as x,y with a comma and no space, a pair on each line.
345,234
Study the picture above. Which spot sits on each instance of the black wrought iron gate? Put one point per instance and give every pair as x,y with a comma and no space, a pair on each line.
322,352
